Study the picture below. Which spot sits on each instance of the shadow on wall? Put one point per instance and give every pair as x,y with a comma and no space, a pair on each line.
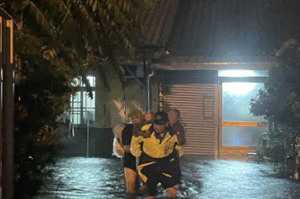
100,143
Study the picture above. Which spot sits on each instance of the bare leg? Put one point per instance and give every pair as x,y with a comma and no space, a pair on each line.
172,192
143,188
130,177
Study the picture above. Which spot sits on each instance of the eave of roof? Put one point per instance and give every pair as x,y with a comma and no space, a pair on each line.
214,63
215,66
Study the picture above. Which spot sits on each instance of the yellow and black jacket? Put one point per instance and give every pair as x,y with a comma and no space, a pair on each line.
154,146
154,149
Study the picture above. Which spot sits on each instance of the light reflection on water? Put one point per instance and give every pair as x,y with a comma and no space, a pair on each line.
86,178
212,179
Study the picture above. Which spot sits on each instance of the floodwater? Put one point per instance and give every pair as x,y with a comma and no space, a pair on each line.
93,178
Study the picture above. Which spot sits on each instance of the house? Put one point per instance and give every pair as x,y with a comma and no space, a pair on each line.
192,47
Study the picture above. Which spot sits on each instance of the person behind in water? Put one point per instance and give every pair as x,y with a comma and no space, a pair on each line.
157,155
129,160
174,115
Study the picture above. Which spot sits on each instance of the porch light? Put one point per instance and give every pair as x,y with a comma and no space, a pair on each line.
236,73
238,88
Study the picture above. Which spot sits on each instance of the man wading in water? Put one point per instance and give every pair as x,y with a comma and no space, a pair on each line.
157,156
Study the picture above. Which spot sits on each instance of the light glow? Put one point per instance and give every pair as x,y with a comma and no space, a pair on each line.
237,73
238,88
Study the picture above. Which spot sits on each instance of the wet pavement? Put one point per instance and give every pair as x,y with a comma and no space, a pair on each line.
93,178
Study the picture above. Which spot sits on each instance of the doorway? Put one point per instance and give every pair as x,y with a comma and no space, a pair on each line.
239,130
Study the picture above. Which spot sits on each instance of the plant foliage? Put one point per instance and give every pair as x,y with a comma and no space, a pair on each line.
280,101
57,41
280,104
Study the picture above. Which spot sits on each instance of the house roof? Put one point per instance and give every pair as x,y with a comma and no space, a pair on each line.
205,31
233,27
158,21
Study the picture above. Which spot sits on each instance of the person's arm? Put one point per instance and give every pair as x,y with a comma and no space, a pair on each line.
179,131
137,129
145,130
126,139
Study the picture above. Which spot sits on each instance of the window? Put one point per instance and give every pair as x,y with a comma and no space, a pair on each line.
82,106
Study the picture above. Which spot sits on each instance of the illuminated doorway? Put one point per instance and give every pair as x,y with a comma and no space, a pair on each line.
240,130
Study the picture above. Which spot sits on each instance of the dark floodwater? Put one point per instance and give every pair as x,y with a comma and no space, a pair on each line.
212,179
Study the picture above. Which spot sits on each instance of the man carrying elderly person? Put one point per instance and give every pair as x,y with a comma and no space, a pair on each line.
157,156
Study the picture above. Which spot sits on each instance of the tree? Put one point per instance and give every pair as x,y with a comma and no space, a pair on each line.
280,104
57,41
280,101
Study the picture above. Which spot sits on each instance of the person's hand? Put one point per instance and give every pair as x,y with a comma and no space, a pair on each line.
126,148
145,134
180,137
137,129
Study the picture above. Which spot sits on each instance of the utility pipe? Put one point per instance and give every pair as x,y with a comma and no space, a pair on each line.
148,91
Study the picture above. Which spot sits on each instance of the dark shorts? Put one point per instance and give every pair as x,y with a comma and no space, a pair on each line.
165,171
129,161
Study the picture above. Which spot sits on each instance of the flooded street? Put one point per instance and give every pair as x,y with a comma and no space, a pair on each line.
212,179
